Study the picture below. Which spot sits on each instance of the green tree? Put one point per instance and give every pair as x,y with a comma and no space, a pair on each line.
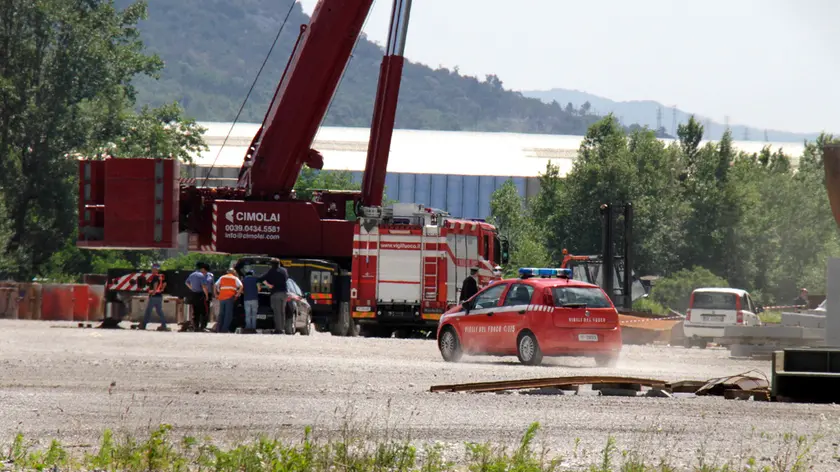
161,132
515,223
311,179
675,290
65,85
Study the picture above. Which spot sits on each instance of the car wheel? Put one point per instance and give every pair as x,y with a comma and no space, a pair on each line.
290,321
450,345
609,360
308,327
528,350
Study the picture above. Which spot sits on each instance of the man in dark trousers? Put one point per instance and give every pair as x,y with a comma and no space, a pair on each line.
276,279
197,283
802,300
157,284
470,286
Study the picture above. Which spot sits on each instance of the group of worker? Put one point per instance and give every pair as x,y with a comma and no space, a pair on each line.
227,289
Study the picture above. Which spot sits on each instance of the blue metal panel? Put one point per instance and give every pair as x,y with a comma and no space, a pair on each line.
438,197
422,189
454,188
392,186
499,181
406,193
486,186
469,192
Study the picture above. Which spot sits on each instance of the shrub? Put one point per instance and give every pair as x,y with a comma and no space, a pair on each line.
675,290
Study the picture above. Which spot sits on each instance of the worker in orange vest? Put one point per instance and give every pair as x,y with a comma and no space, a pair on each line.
227,289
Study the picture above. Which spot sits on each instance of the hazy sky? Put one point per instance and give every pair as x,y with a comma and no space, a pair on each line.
766,63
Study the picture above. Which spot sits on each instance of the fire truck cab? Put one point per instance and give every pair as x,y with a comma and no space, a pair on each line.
409,263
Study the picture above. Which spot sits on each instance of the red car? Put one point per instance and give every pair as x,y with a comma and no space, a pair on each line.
543,313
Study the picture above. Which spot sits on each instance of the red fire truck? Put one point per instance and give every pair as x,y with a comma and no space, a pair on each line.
143,203
409,263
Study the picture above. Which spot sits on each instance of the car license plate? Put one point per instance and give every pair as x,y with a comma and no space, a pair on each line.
588,337
712,317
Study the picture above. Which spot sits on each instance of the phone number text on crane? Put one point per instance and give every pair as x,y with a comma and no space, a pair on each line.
252,229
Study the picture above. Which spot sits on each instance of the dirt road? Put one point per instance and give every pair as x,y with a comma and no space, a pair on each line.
57,383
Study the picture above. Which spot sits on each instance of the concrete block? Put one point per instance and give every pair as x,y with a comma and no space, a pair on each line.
771,333
138,309
832,303
805,320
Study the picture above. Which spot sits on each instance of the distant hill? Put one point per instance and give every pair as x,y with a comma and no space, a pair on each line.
213,49
644,112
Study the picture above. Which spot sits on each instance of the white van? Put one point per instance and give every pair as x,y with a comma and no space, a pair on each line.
710,310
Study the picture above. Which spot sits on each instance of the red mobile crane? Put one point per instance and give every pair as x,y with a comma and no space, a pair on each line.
259,214
141,203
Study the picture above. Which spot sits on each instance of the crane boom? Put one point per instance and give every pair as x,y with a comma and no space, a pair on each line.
302,98
385,108
141,203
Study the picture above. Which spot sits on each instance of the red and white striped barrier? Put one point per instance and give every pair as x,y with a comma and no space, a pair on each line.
128,282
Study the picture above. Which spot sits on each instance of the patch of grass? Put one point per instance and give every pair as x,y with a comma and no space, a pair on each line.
161,452
770,317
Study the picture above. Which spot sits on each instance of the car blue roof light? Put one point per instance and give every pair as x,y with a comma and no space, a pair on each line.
526,272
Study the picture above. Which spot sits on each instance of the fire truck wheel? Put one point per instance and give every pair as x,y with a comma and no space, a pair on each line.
528,350
450,345
343,324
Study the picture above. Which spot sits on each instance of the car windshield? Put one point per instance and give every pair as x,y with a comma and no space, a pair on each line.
259,269
588,297
714,301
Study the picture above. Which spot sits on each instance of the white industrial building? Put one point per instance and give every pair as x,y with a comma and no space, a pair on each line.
452,170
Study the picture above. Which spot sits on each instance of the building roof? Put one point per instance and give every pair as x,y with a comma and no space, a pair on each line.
432,152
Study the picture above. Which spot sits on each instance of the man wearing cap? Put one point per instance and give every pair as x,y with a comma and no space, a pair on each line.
228,289
802,300
156,286
197,283
251,291
470,286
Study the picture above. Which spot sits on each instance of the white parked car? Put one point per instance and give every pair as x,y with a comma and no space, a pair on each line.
711,310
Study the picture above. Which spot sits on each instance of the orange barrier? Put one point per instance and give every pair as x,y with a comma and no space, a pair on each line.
8,303
64,302
81,301
96,302
29,301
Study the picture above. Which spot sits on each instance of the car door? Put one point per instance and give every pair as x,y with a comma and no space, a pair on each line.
510,318
475,335
293,295
750,316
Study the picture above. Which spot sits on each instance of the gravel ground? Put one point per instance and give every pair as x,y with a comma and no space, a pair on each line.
55,383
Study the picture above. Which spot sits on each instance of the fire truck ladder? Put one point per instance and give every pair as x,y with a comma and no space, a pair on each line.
430,288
